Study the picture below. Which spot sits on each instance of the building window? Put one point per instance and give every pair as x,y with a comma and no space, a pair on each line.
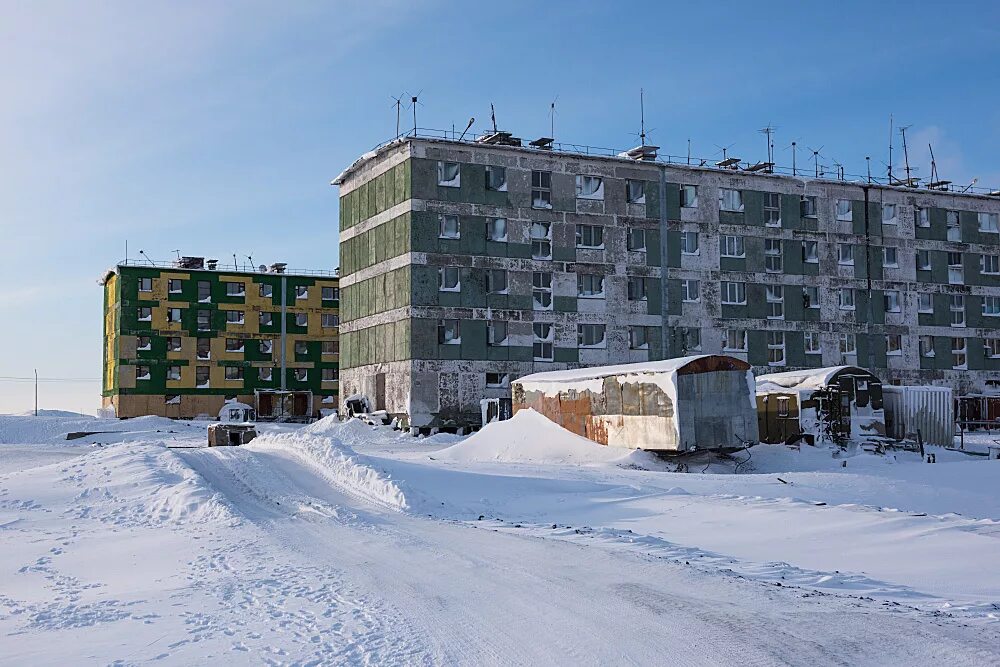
328,320
449,227
204,291
330,347
266,319
954,226
449,279
266,290
143,343
690,290
144,314
730,200
924,304
637,239
266,346
590,335
635,191
174,344
496,229
812,342
301,348
956,270
894,345
301,319
142,373
496,281
173,372
772,256
889,214
848,346
810,296
449,174
959,360
234,317
590,285
845,210
891,301
638,338
776,348
541,290
989,264
496,178
690,340
846,298
496,332
330,293
174,286
734,340
541,189
734,293
329,375
689,243
542,346
589,236
497,379
301,291
956,305
689,196
145,284
234,345
992,347
264,374
772,209
775,296
589,187
810,252
300,374
991,306
204,320
174,315
807,206
889,257
988,222
449,332
923,260
541,240
201,376
236,289
637,289
203,348
846,256
922,217
234,373
732,246
782,402
927,346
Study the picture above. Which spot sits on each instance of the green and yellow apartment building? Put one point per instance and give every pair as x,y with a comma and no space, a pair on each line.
182,339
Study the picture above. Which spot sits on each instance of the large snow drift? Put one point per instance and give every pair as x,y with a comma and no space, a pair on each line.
529,437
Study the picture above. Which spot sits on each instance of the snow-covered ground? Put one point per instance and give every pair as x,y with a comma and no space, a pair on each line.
522,544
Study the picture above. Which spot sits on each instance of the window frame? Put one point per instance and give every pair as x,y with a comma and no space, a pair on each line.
455,181
444,227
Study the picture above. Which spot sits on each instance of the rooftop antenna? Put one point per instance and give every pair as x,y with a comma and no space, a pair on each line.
794,148
493,117
250,259
413,104
816,156
143,253
689,151
769,132
868,161
840,169
890,149
178,253
724,150
906,155
642,118
471,121
552,119
398,103
235,263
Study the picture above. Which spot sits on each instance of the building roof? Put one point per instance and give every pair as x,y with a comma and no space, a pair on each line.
221,270
709,362
812,378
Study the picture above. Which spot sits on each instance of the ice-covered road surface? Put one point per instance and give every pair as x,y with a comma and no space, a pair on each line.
298,550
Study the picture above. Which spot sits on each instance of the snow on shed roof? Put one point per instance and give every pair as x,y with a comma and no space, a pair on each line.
813,378
598,372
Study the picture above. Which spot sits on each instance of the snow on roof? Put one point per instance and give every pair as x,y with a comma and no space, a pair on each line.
599,372
813,378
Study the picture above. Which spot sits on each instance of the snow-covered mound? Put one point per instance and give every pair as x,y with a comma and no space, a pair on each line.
529,437
337,463
53,425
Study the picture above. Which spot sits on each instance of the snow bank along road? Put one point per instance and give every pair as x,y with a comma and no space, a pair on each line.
295,550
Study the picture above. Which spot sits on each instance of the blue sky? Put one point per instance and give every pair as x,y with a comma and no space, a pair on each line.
215,128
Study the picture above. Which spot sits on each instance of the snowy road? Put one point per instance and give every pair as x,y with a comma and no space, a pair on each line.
452,592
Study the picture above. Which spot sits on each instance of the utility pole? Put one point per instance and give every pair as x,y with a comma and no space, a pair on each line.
36,392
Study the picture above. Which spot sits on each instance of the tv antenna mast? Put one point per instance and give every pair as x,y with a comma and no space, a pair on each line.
552,119
769,133
413,104
906,154
398,103
642,118
890,149
177,252
816,156
493,117
794,148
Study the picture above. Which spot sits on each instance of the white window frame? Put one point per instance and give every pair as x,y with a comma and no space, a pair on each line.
630,196
991,347
590,237
590,285
989,264
890,214
633,234
733,246
589,187
960,355
808,207
731,200
892,263
925,265
772,209
543,348
841,248
848,345
591,332
499,380
892,301
456,179
727,290
541,189
926,344
145,284
807,297
689,196
541,245
446,326
446,230
844,209
687,239
775,344
734,340
689,285
449,279
956,306
807,256
992,223
541,290
329,320
991,306
953,225
813,342
491,185
847,303
925,302
922,217
773,259
640,294
775,299
234,317
174,315
633,343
